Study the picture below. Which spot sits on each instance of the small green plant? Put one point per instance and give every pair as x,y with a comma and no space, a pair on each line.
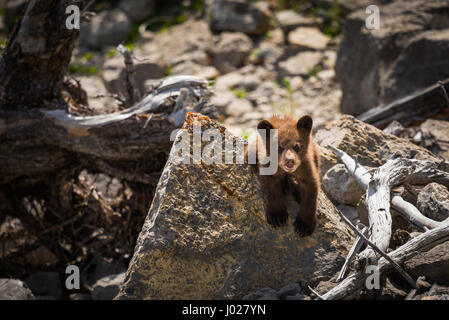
88,56
111,53
129,46
246,134
239,93
312,72
82,69
169,70
132,36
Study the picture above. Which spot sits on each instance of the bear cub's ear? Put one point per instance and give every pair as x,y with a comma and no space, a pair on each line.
264,124
305,123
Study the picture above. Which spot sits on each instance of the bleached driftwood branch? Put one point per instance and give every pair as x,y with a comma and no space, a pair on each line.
412,214
392,173
378,187
41,141
352,253
422,243
379,251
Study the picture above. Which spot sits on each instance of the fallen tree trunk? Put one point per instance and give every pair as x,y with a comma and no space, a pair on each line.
431,102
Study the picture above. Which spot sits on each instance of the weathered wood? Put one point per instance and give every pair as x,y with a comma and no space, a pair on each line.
430,102
132,91
378,187
352,253
378,250
42,141
422,243
37,55
412,214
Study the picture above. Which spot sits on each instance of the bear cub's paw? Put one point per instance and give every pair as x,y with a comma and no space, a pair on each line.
303,228
277,218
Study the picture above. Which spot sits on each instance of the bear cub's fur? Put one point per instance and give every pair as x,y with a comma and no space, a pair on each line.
298,170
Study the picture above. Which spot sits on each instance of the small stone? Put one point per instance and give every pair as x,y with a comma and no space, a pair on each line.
307,37
326,74
341,186
433,201
230,51
107,287
137,10
301,64
106,28
289,20
239,107
12,289
263,294
289,290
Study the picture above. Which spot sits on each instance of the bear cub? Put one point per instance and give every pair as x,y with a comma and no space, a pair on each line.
298,171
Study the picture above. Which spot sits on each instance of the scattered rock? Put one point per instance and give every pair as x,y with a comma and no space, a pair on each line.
436,132
434,264
326,74
230,51
340,186
192,36
238,107
80,296
291,289
41,257
395,128
379,66
137,10
301,64
206,237
107,28
114,73
12,289
392,291
349,212
107,287
289,20
262,294
45,284
99,268
237,15
308,38
222,99
99,101
370,146
433,201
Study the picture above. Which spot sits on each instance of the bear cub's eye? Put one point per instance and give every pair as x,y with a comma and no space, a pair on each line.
296,148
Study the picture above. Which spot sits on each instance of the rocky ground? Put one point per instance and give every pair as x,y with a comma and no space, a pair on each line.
261,59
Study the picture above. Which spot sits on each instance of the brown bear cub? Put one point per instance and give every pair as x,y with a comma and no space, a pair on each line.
298,170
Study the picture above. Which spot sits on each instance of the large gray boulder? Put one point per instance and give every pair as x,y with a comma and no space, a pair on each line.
12,289
378,66
206,236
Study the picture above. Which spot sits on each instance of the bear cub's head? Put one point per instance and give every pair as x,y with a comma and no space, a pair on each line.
293,139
